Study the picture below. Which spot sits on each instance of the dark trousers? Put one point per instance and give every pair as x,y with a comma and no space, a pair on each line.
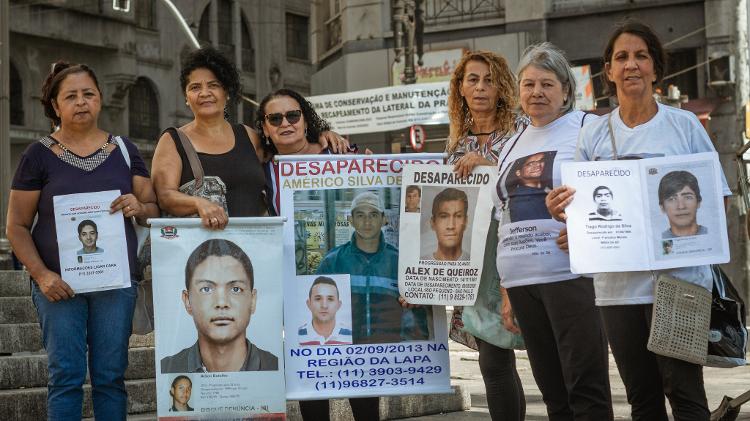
363,409
505,398
567,348
648,376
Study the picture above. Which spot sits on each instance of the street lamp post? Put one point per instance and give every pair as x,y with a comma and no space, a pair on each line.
408,27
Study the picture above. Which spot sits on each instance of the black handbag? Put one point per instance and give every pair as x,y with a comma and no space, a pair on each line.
727,339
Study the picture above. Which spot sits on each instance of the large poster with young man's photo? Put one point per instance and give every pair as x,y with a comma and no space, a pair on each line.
348,332
448,217
218,319
655,213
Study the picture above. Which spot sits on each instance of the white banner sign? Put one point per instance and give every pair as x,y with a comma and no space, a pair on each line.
218,319
447,217
91,242
384,109
656,213
347,335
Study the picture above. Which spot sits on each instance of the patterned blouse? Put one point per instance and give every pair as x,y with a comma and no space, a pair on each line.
490,150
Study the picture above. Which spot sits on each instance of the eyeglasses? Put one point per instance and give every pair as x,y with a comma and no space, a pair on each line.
276,119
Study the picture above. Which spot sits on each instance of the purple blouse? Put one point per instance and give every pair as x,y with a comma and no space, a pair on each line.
40,169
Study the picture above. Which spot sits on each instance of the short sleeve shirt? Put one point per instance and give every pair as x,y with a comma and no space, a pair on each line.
671,131
40,169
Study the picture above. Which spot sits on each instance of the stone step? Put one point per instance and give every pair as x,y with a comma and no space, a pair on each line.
20,337
391,408
14,283
30,370
23,337
31,404
17,310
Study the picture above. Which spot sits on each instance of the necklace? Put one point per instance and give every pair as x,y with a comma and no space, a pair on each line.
304,146
103,148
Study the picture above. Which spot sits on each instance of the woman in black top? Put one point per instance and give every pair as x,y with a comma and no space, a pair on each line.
230,152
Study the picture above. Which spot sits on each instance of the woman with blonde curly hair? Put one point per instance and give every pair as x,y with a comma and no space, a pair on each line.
480,105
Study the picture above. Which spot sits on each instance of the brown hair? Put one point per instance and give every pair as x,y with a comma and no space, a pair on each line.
649,37
51,86
502,79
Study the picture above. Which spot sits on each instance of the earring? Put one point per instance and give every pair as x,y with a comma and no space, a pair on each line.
186,104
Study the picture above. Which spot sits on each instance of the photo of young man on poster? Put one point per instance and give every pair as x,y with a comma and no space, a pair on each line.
527,181
604,211
679,199
220,297
88,234
413,199
324,327
449,220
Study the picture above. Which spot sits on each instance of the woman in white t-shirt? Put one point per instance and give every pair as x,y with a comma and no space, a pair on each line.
554,308
641,128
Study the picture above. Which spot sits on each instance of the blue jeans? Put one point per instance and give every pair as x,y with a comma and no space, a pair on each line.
97,322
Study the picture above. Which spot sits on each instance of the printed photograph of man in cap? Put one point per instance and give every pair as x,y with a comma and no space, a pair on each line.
372,263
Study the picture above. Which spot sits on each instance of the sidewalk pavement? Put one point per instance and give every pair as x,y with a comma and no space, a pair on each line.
465,372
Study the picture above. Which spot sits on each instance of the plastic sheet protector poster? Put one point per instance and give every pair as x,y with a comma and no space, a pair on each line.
347,335
443,229
218,319
648,214
93,249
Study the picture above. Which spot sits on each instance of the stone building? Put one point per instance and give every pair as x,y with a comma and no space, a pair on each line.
136,47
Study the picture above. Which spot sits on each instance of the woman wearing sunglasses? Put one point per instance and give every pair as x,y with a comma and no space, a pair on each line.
230,152
288,125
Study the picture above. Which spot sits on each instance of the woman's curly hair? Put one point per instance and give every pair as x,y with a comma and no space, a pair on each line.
211,59
315,124
458,110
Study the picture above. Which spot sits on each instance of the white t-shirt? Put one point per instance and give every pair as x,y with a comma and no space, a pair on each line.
528,168
672,131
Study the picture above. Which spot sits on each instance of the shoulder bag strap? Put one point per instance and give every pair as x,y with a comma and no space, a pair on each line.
123,149
192,156
612,136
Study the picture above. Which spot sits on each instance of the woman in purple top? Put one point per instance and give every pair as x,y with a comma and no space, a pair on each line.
78,157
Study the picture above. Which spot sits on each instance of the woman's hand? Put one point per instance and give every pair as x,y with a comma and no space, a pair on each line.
212,215
334,142
509,318
557,200
53,287
406,304
130,206
562,240
466,164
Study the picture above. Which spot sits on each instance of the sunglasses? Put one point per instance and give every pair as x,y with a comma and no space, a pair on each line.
276,119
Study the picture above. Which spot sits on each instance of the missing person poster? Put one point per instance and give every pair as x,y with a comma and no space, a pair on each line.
648,214
218,319
91,242
444,221
347,334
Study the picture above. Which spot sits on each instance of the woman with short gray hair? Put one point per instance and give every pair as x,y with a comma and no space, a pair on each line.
553,307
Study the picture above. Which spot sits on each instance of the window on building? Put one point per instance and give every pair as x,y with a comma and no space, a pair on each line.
297,36
16,97
226,34
204,27
143,109
145,14
687,82
248,111
248,52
